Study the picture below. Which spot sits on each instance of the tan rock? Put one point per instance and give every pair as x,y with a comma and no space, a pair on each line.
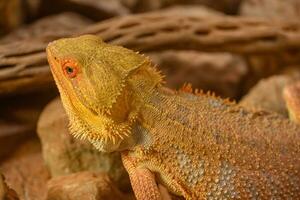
272,9
3,188
43,31
201,69
65,155
6,193
94,9
267,95
46,27
190,10
227,6
272,42
19,118
25,171
84,185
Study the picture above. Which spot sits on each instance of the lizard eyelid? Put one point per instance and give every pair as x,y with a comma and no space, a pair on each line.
70,69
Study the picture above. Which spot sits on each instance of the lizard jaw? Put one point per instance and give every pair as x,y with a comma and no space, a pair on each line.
86,123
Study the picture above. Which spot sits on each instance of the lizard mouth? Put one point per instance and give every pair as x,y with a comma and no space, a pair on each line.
65,87
55,69
61,84
86,122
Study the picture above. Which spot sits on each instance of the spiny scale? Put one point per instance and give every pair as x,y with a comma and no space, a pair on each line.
200,148
187,88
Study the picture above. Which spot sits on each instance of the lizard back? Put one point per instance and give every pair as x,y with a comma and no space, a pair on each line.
205,148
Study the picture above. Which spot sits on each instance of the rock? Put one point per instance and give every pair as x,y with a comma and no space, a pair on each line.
94,9
12,134
267,95
16,80
201,69
46,28
272,9
18,118
71,155
190,10
25,171
84,185
23,64
3,188
6,193
226,6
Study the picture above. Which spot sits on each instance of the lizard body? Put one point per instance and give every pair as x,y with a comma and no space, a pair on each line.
198,146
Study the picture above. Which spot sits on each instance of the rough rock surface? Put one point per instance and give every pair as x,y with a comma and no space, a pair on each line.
42,31
23,64
201,69
47,27
272,9
190,10
3,187
71,155
18,118
6,193
267,95
94,9
25,171
84,185
227,6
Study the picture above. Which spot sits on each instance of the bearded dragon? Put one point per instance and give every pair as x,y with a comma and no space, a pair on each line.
196,145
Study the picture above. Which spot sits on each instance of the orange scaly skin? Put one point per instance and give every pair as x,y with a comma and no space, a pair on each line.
198,146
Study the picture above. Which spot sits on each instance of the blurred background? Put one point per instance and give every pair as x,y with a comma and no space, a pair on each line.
245,50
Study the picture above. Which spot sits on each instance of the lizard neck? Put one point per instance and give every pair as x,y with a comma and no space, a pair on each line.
166,110
141,89
155,105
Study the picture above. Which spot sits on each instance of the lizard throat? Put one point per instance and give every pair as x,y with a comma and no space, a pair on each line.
87,124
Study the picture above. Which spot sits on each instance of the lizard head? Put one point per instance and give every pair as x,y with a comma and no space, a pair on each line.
102,87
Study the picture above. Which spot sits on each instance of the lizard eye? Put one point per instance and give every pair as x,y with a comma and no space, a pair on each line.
70,70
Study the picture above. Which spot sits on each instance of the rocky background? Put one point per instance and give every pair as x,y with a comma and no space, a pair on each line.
245,50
